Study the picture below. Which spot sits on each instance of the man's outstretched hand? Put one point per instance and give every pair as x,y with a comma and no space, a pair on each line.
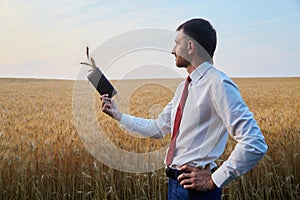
196,178
110,107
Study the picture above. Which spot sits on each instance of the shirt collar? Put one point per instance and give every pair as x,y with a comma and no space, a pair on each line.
198,73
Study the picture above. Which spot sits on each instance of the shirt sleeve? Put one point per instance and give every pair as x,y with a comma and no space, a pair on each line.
242,127
153,128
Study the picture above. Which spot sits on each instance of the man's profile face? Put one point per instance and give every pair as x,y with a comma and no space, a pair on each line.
180,50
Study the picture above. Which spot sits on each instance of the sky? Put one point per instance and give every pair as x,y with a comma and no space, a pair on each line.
47,39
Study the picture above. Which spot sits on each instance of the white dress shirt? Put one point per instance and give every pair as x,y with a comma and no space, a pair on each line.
213,108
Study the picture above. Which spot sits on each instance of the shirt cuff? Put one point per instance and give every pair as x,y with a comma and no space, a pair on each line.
221,177
126,122
124,119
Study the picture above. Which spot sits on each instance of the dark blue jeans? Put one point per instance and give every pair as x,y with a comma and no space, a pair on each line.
177,192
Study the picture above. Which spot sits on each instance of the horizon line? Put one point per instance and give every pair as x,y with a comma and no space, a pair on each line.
140,78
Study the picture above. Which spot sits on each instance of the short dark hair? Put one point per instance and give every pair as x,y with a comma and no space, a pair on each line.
202,32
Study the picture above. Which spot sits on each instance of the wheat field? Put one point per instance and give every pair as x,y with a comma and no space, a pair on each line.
43,156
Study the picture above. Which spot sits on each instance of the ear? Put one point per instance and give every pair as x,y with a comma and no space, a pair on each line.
190,47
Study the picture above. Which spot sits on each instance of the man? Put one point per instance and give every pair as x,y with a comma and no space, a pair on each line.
205,108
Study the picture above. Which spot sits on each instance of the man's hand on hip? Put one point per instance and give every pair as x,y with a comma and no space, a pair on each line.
196,178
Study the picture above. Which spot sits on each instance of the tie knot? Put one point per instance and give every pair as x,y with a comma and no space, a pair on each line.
188,79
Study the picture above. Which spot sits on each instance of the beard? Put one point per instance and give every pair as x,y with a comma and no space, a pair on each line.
182,62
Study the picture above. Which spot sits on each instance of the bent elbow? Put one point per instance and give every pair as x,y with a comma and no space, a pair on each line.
264,149
261,149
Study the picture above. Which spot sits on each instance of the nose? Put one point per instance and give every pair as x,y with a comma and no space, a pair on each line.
173,50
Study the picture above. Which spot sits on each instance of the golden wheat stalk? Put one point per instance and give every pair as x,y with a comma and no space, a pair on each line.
87,52
91,63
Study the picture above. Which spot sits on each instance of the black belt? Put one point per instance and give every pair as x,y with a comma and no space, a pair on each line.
174,173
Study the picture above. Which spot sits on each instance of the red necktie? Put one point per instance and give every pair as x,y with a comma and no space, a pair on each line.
177,122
